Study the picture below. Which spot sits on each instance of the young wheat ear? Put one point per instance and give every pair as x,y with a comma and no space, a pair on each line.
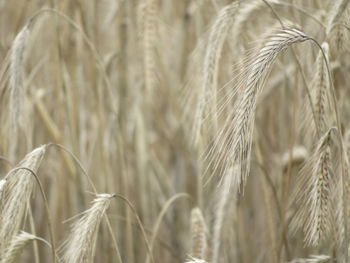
15,195
198,231
80,245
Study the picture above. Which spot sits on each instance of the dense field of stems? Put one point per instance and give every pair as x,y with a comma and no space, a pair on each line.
161,131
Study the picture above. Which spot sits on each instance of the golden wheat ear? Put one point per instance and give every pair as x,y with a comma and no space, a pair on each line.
80,244
15,195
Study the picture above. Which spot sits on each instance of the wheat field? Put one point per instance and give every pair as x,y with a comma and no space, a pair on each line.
190,131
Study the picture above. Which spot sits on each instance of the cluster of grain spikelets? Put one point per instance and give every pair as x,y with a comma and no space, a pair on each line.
80,245
314,194
16,190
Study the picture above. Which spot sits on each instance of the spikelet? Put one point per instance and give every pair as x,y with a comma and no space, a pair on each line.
314,193
198,231
16,247
235,148
80,245
15,195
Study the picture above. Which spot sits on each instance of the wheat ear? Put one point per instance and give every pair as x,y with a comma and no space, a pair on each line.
239,140
15,195
217,35
16,247
80,245
313,196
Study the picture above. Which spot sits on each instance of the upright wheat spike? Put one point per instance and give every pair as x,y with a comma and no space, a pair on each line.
16,84
239,140
316,185
150,40
15,195
80,245
16,247
198,231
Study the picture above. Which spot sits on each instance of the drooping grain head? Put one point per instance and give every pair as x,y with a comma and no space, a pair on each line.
234,148
314,192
